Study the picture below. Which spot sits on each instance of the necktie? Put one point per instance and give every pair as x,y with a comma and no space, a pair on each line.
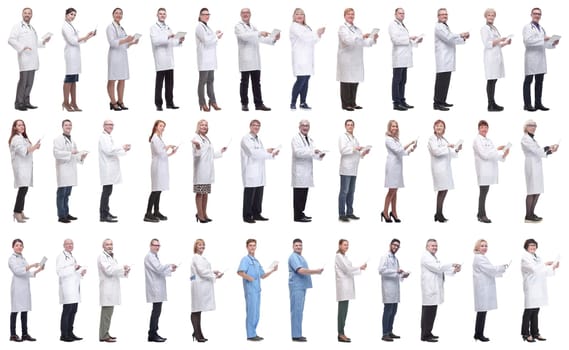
306,137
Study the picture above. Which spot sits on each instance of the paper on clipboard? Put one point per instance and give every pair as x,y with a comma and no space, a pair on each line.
374,31
43,261
273,265
508,146
458,143
275,32
46,36
180,35
137,36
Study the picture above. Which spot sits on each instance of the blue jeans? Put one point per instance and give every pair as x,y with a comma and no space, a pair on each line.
346,197
389,311
62,201
300,87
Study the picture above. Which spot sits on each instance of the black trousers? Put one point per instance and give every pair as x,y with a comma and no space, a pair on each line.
482,200
398,85
67,319
161,77
480,322
20,199
442,83
299,196
538,89
104,204
154,318
255,76
252,202
348,92
529,322
428,314
153,203
491,91
23,319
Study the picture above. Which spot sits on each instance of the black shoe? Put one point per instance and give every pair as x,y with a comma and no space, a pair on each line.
537,217
262,108
528,338
408,106
440,218
357,107
245,108
434,336
541,108
444,104
27,337
299,339
75,337
64,220
399,107
430,340
255,338
530,108
343,218
122,106
107,218
113,217
302,220
306,108
538,337
260,218
114,107
493,107
386,338
15,338
386,218
481,338
440,107
159,108
172,107
156,339
71,217
150,218
393,336
30,106
249,220
396,219
353,217
531,219
66,339
21,108
484,219
307,217
349,109
160,217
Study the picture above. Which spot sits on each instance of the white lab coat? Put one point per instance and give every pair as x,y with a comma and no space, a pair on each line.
22,162
72,51
493,59
534,58
350,64
22,36
535,273
203,279
486,158
110,273
533,166
253,156
162,47
206,44
20,294
155,278
203,161
345,272
302,41
394,163
65,162
159,169
248,39
432,279
117,58
390,278
109,163
302,157
441,155
69,279
484,280
402,52
445,48
349,157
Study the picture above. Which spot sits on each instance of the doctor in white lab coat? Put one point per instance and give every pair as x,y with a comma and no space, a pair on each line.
533,168
445,58
484,280
441,154
534,273
109,168
155,274
24,39
206,44
72,55
486,157
248,39
303,154
70,273
163,41
302,42
350,59
535,64
432,287
202,282
345,285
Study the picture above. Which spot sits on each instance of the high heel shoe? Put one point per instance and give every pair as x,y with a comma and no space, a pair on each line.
204,108
396,219
200,220
199,340
214,106
528,338
24,216
208,219
67,107
76,108
386,218
122,106
440,218
18,218
481,338
114,107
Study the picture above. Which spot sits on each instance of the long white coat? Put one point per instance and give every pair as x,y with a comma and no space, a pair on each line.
302,42
22,36
441,155
445,48
484,280
493,59
65,161
349,157
533,166
117,59
69,279
390,278
162,47
402,52
394,163
22,162
534,58
433,278
253,156
206,44
302,158
203,161
110,273
350,64
535,273
203,279
155,278
159,169
72,51
345,272
248,39
20,294
109,163
486,158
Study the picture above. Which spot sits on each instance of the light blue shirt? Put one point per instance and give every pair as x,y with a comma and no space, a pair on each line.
253,268
297,280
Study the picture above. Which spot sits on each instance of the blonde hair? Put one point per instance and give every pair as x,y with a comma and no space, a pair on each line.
298,9
388,132
349,9
477,245
198,241
198,125
528,123
489,10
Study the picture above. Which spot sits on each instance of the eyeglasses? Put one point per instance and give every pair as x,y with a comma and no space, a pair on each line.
155,245
536,14
395,245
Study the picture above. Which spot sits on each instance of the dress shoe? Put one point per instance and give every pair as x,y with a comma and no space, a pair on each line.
21,108
159,108
305,106
150,218
107,219
434,336
528,338
66,339
15,338
293,107
307,217
530,108
203,221
245,108
18,217
255,338
357,107
172,107
108,340
262,108
399,107
481,338
214,106
122,106
302,220
535,216
30,106
343,218
299,339
444,104
75,337
75,108
114,217
349,109
249,220
204,108
386,338
64,220
430,340
156,339
396,219
393,336
539,337
440,107
484,219
71,217
353,217
27,337
440,218
493,107
541,108
531,219
386,218
114,107
260,218
406,105
343,339
160,217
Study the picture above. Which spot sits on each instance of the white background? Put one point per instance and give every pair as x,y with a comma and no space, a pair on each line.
226,235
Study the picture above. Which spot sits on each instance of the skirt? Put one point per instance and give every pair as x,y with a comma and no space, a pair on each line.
202,188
